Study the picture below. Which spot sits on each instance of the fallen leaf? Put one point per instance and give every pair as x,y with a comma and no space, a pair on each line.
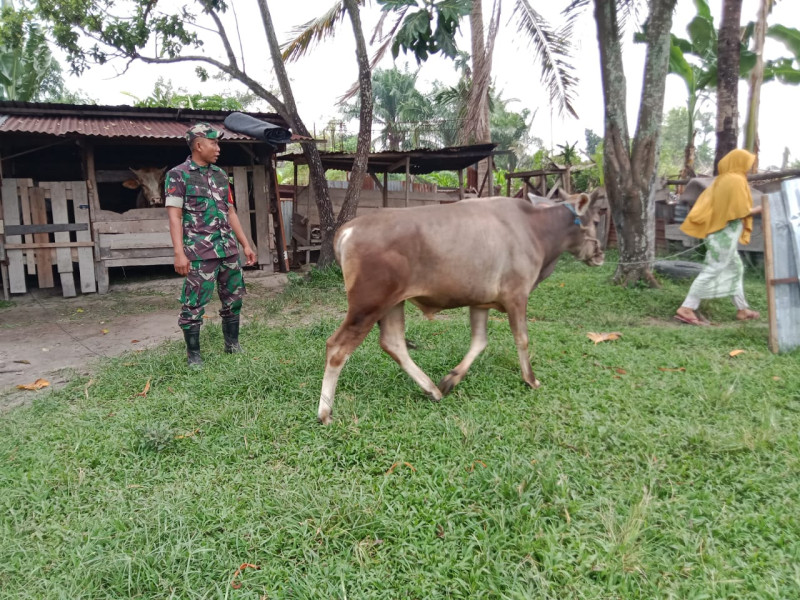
439,531
206,316
668,369
621,371
603,337
776,378
79,310
560,285
193,433
104,331
735,352
471,468
146,389
134,341
36,385
23,362
397,464
235,584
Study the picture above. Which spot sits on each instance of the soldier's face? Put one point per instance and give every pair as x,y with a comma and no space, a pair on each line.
206,151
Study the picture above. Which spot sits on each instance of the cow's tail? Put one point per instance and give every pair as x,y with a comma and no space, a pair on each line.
339,243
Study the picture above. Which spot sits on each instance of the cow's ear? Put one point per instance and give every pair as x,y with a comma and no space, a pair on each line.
582,205
131,184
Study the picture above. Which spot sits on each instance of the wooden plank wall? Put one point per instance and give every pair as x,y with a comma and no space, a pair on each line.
48,205
370,200
141,237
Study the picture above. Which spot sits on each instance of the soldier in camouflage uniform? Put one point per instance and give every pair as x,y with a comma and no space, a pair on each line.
204,228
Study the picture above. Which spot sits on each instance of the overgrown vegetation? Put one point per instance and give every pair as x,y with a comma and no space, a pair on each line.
653,466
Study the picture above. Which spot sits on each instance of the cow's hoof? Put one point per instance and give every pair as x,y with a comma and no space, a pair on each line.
325,419
435,395
446,384
536,383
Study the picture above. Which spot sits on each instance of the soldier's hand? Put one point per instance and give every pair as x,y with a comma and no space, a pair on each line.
251,256
181,264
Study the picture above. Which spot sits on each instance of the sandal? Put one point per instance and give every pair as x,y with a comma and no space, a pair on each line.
690,321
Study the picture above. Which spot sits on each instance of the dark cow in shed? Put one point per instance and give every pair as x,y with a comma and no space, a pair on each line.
150,183
483,253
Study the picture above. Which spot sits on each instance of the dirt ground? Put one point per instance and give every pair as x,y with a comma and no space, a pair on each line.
44,335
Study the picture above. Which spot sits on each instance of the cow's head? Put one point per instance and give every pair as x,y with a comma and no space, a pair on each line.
584,244
149,180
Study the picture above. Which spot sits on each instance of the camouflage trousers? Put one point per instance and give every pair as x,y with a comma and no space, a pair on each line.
199,287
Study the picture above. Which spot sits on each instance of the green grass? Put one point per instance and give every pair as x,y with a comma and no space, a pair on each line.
616,479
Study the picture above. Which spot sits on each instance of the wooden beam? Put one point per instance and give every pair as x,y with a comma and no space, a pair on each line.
23,229
375,179
42,245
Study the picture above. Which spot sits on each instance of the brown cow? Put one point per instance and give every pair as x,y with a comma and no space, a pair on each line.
484,253
150,183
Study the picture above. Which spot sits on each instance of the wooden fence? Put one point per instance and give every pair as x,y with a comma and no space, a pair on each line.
36,239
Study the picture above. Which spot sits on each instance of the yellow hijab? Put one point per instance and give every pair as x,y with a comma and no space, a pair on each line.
728,198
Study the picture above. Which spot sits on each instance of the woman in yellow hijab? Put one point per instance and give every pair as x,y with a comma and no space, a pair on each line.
722,216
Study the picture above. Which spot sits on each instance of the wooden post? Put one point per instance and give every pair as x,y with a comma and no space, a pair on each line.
282,243
769,271
261,200
385,189
490,175
408,179
461,184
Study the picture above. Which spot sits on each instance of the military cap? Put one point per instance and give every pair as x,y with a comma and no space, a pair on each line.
202,130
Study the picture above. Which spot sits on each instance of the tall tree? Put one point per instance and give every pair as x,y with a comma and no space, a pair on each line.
728,79
179,37
631,165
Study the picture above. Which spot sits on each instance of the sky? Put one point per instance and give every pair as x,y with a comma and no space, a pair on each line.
321,77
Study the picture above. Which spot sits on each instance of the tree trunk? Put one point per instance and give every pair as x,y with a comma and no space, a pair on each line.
475,126
756,79
365,119
630,168
728,79
316,172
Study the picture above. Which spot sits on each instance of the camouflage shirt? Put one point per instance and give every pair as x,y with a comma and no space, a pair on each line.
204,195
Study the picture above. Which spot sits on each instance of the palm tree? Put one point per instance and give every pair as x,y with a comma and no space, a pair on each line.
784,69
396,102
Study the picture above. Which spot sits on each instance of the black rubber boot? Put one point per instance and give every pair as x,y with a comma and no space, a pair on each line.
230,331
192,338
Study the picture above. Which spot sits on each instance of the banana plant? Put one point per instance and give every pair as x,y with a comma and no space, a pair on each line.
694,60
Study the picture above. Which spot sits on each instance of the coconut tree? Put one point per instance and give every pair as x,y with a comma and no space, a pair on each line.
784,69
728,79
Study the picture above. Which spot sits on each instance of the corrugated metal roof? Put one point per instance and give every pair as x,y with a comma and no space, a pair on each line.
106,127
116,121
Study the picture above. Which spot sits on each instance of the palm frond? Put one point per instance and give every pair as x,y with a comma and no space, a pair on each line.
311,33
553,51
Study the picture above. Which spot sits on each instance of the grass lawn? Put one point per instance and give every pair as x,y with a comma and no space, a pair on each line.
653,466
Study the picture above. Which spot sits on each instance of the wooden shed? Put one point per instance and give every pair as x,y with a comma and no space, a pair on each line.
63,203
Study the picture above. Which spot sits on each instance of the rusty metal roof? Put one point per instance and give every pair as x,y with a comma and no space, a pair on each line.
420,161
66,120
